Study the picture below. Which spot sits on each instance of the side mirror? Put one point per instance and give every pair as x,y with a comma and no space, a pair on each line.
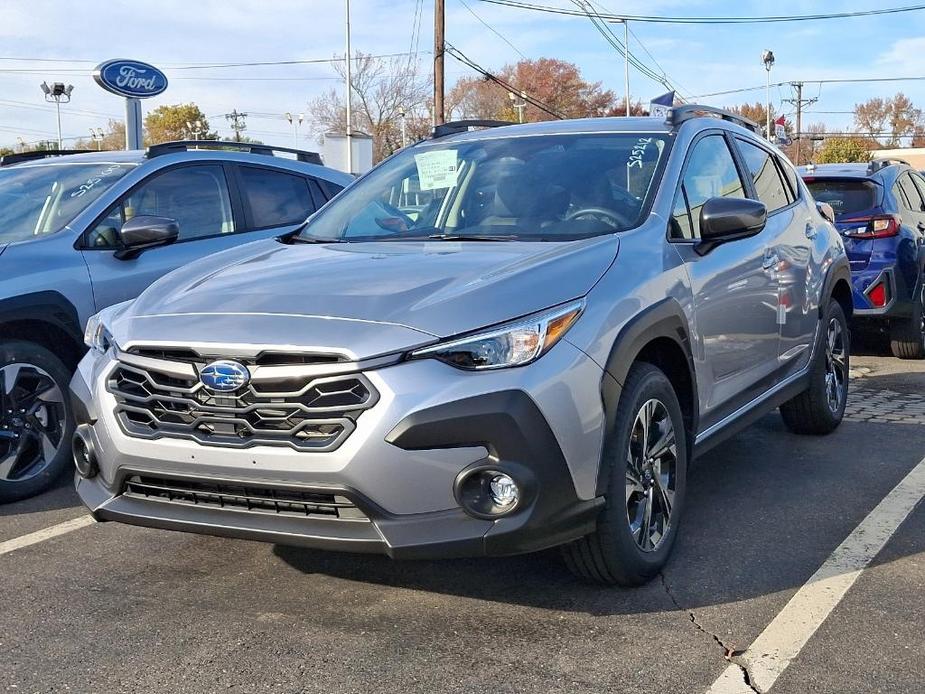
825,209
728,219
146,231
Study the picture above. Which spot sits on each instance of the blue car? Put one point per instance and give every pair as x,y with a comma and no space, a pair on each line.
880,212
83,231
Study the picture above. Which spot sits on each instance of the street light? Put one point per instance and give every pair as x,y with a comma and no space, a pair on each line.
295,122
404,132
767,57
97,134
195,128
57,92
518,107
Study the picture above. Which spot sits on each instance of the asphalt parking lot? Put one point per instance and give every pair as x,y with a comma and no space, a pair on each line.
112,608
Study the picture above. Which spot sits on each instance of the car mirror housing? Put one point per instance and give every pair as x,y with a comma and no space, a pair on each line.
728,219
825,209
146,231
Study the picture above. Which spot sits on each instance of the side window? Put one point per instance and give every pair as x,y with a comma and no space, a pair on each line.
769,185
275,198
900,195
711,173
681,227
912,193
793,188
195,196
919,184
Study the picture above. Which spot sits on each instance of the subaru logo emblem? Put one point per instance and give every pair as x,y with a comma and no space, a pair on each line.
224,376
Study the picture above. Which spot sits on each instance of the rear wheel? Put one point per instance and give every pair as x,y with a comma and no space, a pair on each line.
907,337
36,423
819,409
647,457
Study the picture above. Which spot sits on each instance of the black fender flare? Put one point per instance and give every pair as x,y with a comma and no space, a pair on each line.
664,319
839,270
49,306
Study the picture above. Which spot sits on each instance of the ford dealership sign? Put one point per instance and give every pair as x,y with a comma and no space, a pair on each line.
130,78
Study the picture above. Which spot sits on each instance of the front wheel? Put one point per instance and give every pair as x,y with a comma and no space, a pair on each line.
819,409
36,423
647,459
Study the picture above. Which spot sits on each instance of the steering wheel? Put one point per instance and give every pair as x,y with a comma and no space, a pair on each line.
404,219
614,218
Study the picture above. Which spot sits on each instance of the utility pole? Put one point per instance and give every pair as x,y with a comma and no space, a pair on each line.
237,123
626,64
439,50
799,102
349,131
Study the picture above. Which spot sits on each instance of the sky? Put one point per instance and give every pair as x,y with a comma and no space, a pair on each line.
63,41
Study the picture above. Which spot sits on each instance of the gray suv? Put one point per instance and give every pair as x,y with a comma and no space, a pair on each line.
82,231
467,351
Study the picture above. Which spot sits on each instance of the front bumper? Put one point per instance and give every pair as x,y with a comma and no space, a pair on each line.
399,468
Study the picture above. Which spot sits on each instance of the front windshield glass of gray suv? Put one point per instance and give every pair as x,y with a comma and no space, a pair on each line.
534,188
37,200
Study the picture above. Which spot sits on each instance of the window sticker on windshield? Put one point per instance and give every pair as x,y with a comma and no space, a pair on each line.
93,180
437,169
638,153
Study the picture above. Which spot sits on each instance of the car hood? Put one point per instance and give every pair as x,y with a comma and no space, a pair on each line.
422,290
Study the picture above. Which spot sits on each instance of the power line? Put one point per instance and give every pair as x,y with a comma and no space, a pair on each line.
844,80
519,4
493,30
463,58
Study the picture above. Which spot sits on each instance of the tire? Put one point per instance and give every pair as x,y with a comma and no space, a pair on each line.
613,554
907,337
36,420
819,409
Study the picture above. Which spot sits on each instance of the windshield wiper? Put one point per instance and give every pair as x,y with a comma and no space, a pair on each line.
469,237
313,239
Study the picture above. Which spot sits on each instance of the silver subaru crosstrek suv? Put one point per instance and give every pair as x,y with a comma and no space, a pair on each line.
468,349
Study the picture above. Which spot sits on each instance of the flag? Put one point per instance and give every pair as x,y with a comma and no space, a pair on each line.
780,131
661,105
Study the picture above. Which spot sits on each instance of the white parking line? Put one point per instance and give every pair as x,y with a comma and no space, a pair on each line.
46,534
781,641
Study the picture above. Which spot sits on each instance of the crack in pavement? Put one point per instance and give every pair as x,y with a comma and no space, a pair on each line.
729,653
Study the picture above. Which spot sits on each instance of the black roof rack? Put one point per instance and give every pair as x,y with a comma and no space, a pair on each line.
19,157
679,114
461,126
876,164
251,147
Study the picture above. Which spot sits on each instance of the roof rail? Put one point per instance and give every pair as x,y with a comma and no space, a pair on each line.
461,126
679,114
251,147
876,164
19,157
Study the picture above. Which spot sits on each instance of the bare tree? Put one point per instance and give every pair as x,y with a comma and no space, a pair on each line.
382,91
893,118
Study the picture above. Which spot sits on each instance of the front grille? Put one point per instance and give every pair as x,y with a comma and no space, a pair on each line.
302,412
242,497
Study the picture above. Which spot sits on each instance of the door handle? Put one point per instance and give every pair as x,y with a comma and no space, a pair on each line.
920,226
770,260
810,230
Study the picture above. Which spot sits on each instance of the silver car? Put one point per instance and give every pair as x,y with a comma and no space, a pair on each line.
466,351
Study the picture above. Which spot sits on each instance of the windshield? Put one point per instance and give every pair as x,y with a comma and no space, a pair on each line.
537,188
36,200
845,196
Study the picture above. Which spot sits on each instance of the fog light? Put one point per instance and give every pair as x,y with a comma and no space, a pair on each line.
84,456
486,492
503,490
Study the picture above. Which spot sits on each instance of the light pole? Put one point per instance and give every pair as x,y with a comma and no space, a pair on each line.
195,128
404,132
97,134
57,92
21,142
349,130
767,57
295,122
518,107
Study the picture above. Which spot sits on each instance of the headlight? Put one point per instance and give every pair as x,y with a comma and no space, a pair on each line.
96,336
513,344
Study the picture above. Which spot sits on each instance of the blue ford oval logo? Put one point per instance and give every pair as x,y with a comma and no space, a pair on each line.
130,78
224,376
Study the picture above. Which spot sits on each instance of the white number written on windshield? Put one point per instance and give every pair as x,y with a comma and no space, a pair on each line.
88,185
